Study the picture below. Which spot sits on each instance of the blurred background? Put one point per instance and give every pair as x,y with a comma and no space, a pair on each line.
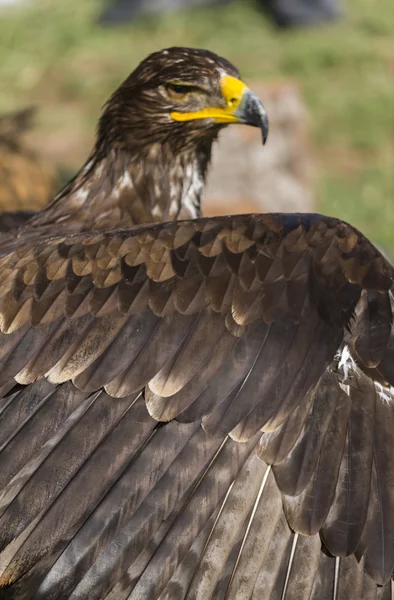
328,88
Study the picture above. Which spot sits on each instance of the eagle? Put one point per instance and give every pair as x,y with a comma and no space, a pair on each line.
191,408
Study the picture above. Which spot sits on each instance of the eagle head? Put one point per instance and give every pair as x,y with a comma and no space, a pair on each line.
179,96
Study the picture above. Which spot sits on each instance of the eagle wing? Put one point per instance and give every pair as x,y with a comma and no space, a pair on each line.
177,422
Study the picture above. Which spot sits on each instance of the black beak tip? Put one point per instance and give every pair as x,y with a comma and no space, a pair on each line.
256,115
264,128
252,112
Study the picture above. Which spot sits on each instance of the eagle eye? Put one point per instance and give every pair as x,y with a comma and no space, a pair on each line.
177,91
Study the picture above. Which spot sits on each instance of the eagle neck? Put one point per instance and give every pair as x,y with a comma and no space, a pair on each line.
120,190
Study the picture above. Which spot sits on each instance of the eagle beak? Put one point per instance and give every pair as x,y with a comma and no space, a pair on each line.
251,111
241,106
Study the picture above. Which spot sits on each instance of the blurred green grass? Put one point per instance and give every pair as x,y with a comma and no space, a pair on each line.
53,51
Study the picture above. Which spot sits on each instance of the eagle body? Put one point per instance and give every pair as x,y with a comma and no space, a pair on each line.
191,408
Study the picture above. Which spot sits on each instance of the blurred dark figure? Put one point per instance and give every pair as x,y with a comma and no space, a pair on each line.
294,13
13,220
120,11
285,13
27,181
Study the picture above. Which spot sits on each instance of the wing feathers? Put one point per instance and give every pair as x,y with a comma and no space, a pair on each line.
39,412
163,409
229,377
386,592
271,579
261,526
54,348
307,512
132,338
207,497
303,569
191,356
136,533
274,446
232,324
372,327
238,504
28,346
71,452
295,471
153,356
345,522
83,493
351,579
264,370
324,587
379,530
296,374
82,353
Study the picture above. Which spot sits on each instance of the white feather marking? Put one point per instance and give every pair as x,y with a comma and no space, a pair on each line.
336,577
99,169
156,211
123,182
349,368
223,73
81,194
88,165
173,207
192,189
385,393
289,566
347,363
157,189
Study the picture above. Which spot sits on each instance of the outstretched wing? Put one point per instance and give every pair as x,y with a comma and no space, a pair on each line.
175,413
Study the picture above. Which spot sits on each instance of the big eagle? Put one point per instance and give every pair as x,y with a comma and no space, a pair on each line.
191,408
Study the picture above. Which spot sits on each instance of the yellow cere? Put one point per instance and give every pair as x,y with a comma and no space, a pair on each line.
232,90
